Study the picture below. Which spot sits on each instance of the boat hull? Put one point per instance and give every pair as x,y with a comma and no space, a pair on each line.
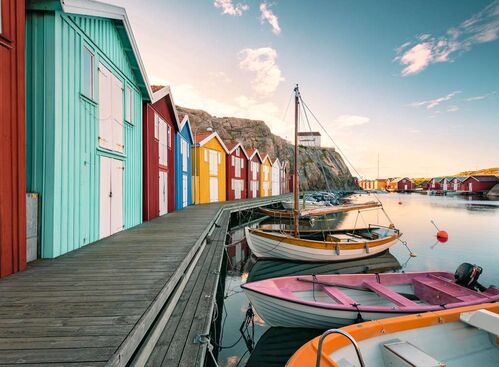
282,313
278,247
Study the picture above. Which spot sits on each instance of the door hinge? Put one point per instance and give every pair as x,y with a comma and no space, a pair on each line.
110,194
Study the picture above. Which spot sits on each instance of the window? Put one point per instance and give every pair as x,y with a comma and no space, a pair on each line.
128,104
156,126
88,73
169,137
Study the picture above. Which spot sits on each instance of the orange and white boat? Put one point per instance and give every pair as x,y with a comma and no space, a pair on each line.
319,245
467,336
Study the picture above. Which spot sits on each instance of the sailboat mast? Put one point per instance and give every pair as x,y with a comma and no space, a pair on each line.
296,187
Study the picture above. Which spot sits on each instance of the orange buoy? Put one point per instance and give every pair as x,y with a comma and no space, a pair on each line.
442,239
400,203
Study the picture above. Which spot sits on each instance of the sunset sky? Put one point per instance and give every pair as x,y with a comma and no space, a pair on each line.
416,82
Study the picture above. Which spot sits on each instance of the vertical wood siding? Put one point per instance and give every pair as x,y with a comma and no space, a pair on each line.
12,139
63,163
183,134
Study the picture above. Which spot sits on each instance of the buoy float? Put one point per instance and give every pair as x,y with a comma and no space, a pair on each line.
442,236
400,203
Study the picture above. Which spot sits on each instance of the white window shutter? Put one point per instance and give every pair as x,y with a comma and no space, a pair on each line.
206,155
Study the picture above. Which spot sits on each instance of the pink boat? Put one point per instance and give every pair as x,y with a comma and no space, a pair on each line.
323,301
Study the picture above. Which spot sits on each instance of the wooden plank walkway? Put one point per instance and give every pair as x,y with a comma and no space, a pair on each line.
94,306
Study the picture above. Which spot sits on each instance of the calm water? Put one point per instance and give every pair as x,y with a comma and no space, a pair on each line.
473,227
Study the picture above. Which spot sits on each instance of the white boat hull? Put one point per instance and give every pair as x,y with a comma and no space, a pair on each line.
281,313
263,247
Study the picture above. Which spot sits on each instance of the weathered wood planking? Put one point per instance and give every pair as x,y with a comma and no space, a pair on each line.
93,306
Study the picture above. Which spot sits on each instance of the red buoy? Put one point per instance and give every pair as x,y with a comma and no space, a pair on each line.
442,236
400,203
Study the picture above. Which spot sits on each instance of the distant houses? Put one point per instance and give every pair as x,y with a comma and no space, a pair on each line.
477,184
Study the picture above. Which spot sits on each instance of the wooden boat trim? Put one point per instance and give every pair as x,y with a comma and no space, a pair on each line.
324,245
372,329
318,212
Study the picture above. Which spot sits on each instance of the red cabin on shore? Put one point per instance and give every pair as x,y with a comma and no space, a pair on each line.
237,171
13,138
436,183
160,125
254,170
479,184
401,184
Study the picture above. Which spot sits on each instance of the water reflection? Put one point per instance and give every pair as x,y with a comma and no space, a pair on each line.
265,269
473,227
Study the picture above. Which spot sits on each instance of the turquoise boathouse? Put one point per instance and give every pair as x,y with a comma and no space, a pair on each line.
85,87
183,164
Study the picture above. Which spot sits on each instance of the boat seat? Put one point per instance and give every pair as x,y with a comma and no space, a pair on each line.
482,319
387,293
398,353
337,295
449,288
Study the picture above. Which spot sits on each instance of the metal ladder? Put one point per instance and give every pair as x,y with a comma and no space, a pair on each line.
346,335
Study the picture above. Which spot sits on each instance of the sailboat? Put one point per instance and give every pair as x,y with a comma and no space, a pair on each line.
323,245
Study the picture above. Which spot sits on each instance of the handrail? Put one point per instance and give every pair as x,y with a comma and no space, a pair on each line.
346,335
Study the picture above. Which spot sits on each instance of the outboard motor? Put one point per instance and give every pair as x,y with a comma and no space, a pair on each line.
467,276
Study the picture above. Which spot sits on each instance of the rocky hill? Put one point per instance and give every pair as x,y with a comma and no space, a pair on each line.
485,171
316,164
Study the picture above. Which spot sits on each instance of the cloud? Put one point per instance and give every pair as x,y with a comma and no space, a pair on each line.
478,98
346,121
229,8
268,15
262,61
432,103
427,49
453,109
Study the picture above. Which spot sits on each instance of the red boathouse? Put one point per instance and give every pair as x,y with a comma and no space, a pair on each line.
237,171
254,169
479,184
13,138
160,125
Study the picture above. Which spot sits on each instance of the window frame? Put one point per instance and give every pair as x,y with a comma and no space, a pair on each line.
87,49
129,104
1,17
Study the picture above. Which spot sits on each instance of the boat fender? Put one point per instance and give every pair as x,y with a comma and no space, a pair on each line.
467,276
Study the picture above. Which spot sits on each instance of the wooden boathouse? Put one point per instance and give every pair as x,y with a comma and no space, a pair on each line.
254,165
85,87
276,177
161,124
265,176
209,168
237,172
13,138
183,163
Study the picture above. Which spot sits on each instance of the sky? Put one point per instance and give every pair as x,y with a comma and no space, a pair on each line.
413,82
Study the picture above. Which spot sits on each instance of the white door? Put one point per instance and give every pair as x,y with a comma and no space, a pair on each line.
184,190
105,197
111,196
110,111
213,189
255,188
117,196
405,187
238,187
163,193
470,186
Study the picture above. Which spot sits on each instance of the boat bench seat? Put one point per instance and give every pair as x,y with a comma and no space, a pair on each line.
387,293
482,319
337,295
449,288
398,353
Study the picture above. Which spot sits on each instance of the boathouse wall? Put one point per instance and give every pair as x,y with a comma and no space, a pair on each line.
276,177
159,157
183,165
84,157
237,173
12,137
254,169
266,177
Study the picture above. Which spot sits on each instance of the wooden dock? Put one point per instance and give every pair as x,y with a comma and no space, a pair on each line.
144,296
